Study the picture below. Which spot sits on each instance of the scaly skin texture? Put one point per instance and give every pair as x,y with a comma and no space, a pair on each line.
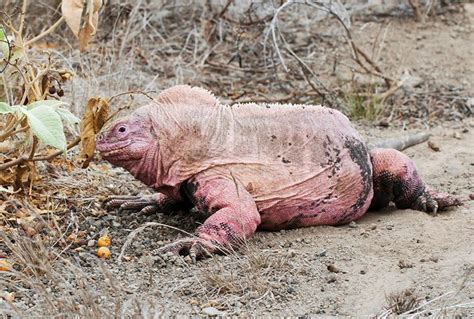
250,166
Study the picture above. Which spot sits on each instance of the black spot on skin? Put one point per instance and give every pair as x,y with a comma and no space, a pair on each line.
267,106
286,161
273,137
389,187
278,156
188,190
289,144
360,155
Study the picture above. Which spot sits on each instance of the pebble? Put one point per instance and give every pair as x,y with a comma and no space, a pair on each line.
116,224
91,243
331,279
333,268
353,224
471,196
212,312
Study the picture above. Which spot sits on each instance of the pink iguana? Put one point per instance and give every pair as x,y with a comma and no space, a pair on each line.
249,166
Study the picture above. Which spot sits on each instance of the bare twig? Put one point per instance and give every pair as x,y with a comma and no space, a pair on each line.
46,32
25,158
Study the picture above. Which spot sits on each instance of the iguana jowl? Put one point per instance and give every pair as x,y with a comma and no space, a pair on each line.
249,166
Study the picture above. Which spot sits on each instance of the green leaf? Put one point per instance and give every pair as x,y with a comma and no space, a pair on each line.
51,103
46,124
71,120
5,108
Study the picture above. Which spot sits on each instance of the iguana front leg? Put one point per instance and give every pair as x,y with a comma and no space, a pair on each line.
156,203
234,217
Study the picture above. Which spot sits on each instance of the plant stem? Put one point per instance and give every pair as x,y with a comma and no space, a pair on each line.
45,33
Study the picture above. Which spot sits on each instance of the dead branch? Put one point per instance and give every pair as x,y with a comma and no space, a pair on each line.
37,158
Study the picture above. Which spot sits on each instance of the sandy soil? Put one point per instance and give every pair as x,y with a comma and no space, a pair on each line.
345,271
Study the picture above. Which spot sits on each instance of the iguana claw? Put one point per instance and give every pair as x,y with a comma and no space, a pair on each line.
196,248
431,201
426,203
143,204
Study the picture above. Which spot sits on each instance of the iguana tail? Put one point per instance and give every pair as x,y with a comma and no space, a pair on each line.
402,143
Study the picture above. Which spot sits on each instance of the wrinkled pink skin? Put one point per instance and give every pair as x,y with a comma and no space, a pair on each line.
259,166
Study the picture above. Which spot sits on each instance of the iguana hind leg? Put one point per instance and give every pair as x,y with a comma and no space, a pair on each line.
396,179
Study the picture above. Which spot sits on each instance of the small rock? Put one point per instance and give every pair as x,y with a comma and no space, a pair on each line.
363,272
323,253
471,196
434,259
353,224
410,81
456,135
373,227
212,312
331,279
334,269
91,243
404,264
433,146
389,227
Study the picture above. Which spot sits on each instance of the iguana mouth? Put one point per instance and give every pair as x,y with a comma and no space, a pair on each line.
108,150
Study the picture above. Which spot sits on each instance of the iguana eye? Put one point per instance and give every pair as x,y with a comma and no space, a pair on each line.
122,129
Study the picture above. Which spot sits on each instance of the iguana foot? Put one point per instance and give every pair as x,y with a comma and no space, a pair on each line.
196,248
396,179
425,203
147,204
431,201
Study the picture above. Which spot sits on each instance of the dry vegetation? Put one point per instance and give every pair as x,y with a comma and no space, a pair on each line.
270,51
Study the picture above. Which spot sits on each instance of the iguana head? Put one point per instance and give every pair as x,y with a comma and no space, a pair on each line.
128,141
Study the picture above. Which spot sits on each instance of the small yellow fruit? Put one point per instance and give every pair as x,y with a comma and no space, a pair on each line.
104,241
5,265
103,252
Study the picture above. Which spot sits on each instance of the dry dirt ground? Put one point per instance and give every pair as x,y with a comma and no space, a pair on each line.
401,258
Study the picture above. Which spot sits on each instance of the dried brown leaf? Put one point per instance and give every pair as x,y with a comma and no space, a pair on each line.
97,111
90,27
72,13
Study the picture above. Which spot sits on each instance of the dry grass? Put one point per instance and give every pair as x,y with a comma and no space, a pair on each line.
402,302
49,284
